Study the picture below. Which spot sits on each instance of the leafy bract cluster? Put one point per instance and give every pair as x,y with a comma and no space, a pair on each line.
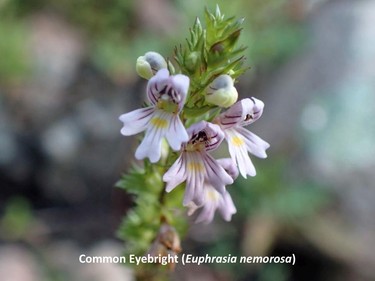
209,53
141,224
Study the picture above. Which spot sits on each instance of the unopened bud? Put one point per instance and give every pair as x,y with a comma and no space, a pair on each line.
191,61
221,91
149,64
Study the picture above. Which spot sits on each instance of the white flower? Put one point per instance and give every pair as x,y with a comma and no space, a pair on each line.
221,91
167,95
196,166
240,140
214,200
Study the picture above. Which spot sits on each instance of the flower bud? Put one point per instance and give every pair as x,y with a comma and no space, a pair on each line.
221,91
192,60
149,64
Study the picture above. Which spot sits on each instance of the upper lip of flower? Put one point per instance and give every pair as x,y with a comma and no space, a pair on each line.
205,133
171,93
222,122
163,88
241,113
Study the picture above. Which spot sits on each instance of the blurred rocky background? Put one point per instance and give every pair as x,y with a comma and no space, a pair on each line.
67,73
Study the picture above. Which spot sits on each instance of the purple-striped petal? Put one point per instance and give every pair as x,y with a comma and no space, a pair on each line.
170,89
136,121
176,134
213,201
226,207
195,172
180,83
229,166
150,146
242,113
176,174
216,175
255,145
156,84
157,128
252,110
238,152
208,134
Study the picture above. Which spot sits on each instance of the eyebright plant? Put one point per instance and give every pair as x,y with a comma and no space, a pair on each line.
192,109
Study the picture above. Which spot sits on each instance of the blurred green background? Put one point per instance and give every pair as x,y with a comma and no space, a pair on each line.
66,74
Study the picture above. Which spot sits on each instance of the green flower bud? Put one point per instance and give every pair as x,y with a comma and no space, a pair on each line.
191,61
149,64
221,92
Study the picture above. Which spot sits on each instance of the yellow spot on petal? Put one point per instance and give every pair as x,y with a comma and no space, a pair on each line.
195,166
212,195
159,123
237,141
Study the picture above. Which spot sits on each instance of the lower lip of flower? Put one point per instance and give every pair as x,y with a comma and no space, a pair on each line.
198,167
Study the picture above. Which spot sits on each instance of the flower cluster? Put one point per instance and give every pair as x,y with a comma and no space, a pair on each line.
205,177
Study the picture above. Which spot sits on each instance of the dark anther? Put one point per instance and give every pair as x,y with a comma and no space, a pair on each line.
200,137
163,91
171,93
248,117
